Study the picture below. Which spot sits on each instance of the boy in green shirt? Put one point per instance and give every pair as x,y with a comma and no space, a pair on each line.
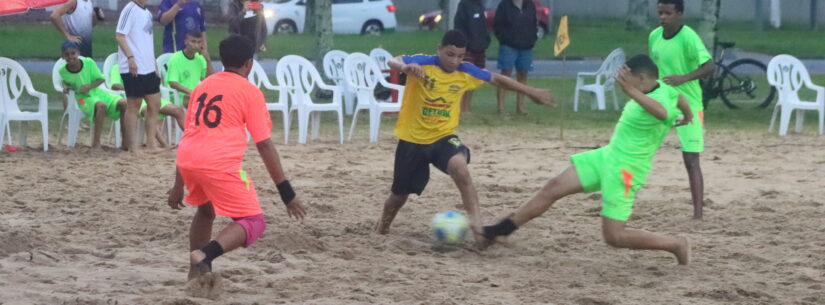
81,75
188,67
619,169
682,60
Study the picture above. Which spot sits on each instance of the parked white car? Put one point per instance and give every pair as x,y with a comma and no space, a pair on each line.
348,16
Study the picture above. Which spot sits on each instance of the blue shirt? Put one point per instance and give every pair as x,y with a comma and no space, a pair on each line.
190,17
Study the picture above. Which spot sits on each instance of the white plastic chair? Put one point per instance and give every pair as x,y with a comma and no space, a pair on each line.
13,81
363,74
382,58
259,78
334,71
299,77
74,114
788,75
170,95
605,79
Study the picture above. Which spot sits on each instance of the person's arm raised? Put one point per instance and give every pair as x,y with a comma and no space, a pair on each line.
649,104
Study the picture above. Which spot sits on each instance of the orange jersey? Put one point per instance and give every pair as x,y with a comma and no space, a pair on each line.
221,109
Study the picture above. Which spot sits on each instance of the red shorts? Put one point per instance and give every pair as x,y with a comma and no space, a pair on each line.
232,194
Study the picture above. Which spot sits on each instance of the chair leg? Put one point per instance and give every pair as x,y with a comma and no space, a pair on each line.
24,133
340,127
773,117
821,119
615,100
352,127
44,125
303,123
118,138
285,114
800,119
576,100
3,131
784,120
375,123
600,101
316,124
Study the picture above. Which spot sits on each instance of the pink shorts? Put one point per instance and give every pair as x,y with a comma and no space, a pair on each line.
254,227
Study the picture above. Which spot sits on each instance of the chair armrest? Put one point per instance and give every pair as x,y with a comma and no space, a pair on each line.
587,74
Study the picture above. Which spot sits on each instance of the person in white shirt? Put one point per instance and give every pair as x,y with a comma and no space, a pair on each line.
136,58
74,20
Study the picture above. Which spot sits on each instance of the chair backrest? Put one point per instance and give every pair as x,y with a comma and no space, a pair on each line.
361,72
381,57
788,75
257,75
110,62
162,60
13,81
334,65
297,75
57,80
610,67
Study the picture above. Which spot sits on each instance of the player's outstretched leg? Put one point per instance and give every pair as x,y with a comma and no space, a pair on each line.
564,184
616,235
457,169
391,208
200,232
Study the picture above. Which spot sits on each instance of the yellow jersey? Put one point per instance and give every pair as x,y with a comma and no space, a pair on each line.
431,106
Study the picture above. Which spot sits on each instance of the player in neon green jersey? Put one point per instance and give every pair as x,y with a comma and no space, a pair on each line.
81,75
188,67
619,169
682,60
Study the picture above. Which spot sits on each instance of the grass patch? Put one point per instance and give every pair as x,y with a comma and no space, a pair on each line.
590,38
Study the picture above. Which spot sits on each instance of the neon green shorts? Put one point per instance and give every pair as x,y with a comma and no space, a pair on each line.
692,135
598,171
87,105
163,103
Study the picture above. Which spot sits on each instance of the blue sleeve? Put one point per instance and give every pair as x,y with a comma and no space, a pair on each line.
421,60
476,72
164,6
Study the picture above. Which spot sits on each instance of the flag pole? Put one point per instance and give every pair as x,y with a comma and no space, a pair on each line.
563,114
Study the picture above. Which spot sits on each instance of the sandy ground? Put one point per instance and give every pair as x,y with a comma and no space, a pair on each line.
82,227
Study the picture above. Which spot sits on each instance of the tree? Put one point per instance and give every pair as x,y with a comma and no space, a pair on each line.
637,15
323,28
708,25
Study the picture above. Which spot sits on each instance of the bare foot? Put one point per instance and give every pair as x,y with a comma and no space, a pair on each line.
683,252
381,227
196,265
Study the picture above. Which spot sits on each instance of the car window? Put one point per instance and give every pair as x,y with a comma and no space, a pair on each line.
346,1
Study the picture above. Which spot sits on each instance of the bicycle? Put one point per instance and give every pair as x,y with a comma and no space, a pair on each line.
741,85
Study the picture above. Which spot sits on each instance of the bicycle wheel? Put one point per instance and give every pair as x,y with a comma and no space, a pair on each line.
745,85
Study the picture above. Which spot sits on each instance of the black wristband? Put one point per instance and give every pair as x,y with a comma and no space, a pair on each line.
286,191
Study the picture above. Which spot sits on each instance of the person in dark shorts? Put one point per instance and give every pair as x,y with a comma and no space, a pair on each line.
429,115
470,19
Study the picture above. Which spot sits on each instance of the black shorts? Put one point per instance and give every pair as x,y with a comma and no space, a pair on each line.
412,162
141,85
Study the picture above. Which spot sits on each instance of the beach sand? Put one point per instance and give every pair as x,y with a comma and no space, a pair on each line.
92,227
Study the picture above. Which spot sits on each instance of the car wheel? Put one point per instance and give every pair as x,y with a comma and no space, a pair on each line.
540,32
285,27
372,28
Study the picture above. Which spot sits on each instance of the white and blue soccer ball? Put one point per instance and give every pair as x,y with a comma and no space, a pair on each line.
449,226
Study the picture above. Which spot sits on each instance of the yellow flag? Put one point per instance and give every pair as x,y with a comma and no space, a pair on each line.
562,39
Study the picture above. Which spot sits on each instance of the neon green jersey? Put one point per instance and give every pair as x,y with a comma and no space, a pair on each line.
187,72
638,133
89,73
681,54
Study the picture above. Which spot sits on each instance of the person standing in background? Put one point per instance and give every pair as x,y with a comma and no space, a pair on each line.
470,19
180,17
246,18
516,28
74,20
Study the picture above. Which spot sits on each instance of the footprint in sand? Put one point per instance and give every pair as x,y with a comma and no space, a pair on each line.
209,286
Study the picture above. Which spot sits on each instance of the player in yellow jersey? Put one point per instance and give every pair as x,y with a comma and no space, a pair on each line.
428,118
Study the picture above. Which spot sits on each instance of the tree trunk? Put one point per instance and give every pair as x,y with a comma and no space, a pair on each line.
309,21
707,27
323,28
637,15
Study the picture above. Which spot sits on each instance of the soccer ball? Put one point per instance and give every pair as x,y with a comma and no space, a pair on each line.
449,226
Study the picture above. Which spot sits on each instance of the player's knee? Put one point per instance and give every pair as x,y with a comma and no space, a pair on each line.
612,237
457,167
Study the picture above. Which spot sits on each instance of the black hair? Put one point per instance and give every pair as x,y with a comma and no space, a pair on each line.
454,38
642,64
236,50
679,4
68,45
194,34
